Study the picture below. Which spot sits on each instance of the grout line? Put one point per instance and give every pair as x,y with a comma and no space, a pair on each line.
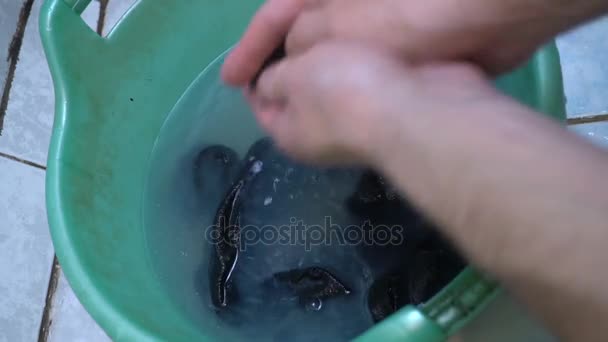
101,20
13,56
47,320
23,161
585,119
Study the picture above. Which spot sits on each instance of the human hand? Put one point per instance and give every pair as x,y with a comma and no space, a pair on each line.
323,111
495,34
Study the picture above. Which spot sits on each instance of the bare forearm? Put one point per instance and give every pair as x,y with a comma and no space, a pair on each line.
534,214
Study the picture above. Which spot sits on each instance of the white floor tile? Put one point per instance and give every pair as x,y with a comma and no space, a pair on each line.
26,251
29,116
583,56
71,322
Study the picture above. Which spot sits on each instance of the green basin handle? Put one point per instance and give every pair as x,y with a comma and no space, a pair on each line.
443,315
78,5
408,324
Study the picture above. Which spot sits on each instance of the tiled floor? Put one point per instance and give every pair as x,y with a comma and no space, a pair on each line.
9,15
585,69
26,253
71,322
28,119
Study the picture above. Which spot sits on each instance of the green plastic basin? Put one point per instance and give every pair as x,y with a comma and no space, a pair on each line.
113,95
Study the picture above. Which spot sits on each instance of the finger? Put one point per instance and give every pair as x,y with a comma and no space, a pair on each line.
272,85
266,31
309,28
309,4
281,129
275,121
267,114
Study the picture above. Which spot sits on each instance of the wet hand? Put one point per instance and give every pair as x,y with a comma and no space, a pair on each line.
342,103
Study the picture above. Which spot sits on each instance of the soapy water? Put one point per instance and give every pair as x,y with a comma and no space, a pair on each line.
292,217
257,303
302,197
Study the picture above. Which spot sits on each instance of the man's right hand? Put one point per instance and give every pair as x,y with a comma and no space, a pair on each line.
495,34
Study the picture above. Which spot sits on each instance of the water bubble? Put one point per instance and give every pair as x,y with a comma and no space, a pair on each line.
267,200
256,167
314,304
